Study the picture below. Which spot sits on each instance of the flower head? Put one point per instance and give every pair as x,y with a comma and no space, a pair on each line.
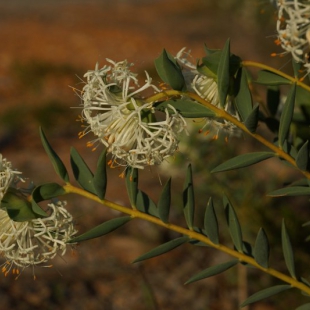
7,175
114,108
36,241
293,27
207,88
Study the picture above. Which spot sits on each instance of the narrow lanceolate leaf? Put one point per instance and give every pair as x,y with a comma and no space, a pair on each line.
288,251
273,99
252,119
162,249
47,191
291,191
261,249
304,307
243,98
100,176
186,107
169,71
145,204
81,172
265,294
132,185
102,229
19,209
38,210
233,225
287,115
58,165
211,224
302,158
223,74
243,160
305,281
164,202
188,198
212,271
269,78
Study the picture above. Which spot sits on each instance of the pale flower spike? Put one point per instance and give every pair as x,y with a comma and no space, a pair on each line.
114,108
37,241
206,87
7,175
293,28
32,242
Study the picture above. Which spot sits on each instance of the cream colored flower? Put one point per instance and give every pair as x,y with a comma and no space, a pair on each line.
293,27
114,108
33,242
7,175
207,88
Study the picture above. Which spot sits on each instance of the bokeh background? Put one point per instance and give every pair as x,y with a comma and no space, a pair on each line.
46,47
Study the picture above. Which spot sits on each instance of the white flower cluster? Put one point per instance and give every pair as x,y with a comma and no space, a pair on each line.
207,88
7,175
29,243
293,27
116,113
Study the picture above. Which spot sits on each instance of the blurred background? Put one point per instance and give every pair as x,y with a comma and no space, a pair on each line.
46,47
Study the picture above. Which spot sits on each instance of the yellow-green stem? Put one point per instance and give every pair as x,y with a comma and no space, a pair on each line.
224,115
247,63
191,234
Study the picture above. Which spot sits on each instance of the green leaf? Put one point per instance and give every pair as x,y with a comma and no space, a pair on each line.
38,210
145,204
302,98
269,78
47,191
233,225
163,248
58,165
287,115
132,178
210,223
100,176
242,161
304,281
265,294
164,202
291,191
19,209
288,251
212,271
188,198
223,74
252,120
304,307
102,229
169,71
302,157
186,107
261,249
81,172
273,99
243,98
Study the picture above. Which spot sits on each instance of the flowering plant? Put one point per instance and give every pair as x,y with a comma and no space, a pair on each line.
141,126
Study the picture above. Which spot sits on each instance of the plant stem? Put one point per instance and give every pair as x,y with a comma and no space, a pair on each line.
190,233
224,115
248,63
